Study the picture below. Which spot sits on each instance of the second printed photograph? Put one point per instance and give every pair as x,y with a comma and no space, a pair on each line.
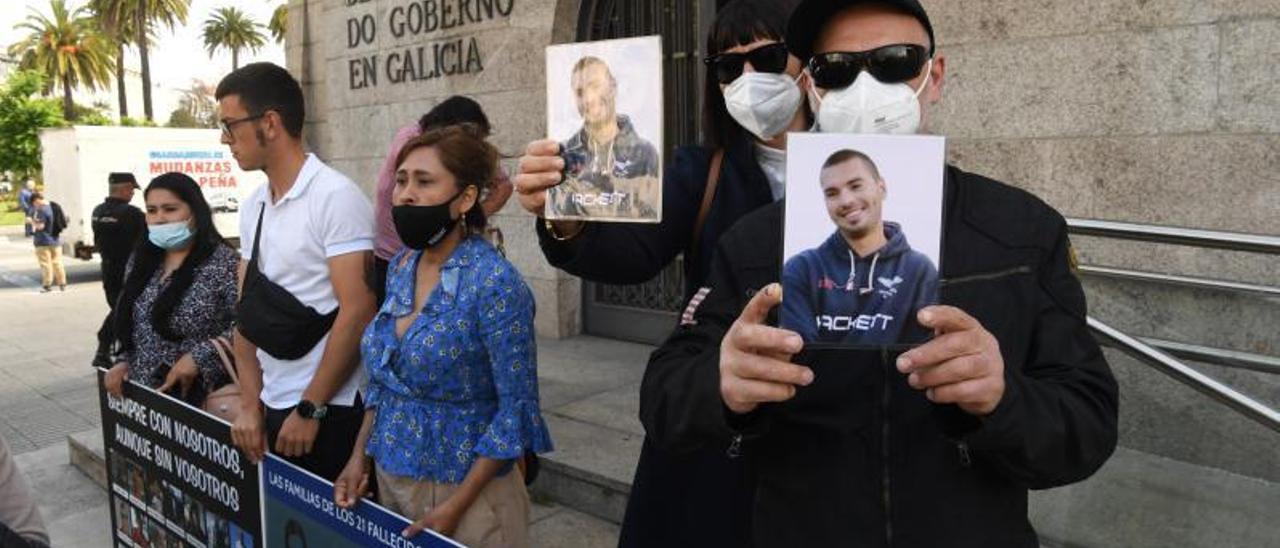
604,106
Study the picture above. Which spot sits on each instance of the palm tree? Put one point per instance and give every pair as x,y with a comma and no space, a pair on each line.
118,26
279,23
166,12
144,15
66,49
232,29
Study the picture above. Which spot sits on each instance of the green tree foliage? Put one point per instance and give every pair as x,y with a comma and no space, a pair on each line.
279,23
22,113
95,115
67,48
196,108
134,122
233,30
120,27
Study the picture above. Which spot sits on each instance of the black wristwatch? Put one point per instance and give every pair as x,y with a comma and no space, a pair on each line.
308,410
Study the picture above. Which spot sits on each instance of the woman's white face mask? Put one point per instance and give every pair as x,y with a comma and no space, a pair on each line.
870,106
763,103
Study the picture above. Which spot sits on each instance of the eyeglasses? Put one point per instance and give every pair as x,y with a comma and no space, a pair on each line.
891,64
226,125
767,58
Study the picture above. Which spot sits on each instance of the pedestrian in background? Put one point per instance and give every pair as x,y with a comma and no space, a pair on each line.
24,203
46,224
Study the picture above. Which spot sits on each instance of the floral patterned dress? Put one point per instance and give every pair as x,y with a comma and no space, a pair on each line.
462,382
206,310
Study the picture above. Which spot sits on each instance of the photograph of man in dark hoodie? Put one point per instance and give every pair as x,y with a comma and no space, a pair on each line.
611,171
864,284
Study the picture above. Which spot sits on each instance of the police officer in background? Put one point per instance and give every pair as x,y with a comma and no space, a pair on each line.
116,228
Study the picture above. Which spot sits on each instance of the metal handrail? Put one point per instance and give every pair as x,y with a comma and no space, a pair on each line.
1221,357
1236,241
1187,281
1216,356
1214,239
1249,407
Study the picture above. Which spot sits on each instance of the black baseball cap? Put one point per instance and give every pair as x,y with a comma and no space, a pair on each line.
121,177
811,15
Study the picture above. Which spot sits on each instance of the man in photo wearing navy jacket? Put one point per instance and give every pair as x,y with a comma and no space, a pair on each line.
864,284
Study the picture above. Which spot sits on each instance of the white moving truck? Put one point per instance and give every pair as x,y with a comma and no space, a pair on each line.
77,160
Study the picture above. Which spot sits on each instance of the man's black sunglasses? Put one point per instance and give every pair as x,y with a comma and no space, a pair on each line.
767,58
891,64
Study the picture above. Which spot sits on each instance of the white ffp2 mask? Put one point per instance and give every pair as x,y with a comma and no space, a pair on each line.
763,103
871,106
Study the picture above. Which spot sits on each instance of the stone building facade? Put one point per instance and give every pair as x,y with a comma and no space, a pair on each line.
1160,111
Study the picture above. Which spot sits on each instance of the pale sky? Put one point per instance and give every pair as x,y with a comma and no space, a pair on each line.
177,58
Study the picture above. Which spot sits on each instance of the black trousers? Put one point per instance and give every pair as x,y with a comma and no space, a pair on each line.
332,448
702,498
112,284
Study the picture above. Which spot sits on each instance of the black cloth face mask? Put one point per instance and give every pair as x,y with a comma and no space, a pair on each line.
423,226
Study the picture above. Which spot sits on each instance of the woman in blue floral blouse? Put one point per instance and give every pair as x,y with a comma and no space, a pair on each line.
451,357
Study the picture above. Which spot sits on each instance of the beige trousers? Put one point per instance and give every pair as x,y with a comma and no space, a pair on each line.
50,259
498,518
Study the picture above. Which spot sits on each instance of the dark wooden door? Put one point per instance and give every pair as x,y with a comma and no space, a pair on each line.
647,312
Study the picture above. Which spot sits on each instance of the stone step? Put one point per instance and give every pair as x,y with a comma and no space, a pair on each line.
73,506
88,456
1142,500
591,468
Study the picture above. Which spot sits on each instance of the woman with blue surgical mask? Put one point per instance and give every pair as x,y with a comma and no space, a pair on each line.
173,320
753,96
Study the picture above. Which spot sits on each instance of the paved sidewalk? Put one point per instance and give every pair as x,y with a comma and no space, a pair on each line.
47,387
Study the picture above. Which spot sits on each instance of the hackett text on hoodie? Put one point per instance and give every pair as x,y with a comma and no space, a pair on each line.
830,295
613,180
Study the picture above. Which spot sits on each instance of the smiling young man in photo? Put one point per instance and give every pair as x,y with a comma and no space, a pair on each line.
864,284
610,170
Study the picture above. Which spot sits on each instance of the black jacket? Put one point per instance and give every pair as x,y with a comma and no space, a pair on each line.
116,229
632,253
859,458
701,497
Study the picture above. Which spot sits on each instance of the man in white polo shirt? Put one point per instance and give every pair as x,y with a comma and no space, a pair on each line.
306,247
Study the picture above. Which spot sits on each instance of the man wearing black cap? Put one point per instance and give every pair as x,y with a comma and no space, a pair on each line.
934,445
116,228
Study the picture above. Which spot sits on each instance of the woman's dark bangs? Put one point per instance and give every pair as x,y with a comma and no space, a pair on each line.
744,25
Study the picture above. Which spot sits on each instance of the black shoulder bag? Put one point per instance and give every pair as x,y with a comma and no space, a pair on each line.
270,316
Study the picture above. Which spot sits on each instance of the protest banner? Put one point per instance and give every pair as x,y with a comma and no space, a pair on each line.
301,514
175,478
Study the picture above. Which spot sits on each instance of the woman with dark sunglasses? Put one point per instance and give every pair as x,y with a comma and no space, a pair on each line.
692,496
